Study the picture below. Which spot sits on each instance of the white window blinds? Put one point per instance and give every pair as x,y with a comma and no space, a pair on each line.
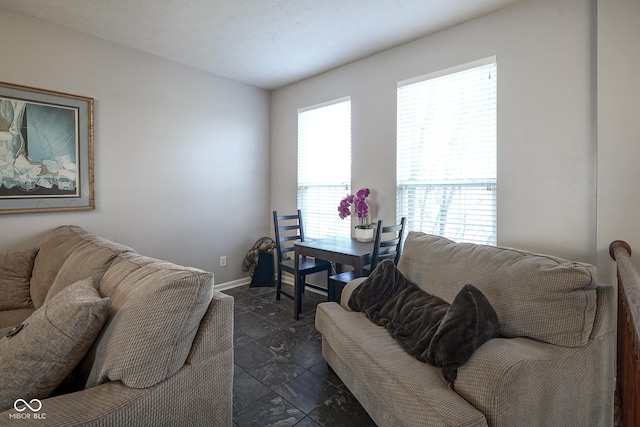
324,167
446,153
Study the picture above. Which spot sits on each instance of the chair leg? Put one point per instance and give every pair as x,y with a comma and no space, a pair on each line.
278,285
298,300
330,291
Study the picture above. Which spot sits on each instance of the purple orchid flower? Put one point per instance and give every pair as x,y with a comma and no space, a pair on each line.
359,202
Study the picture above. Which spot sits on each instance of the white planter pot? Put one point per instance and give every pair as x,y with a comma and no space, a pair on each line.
364,234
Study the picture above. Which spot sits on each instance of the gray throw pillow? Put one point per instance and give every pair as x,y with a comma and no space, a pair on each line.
44,349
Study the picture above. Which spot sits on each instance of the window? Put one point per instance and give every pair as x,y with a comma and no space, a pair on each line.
446,153
324,166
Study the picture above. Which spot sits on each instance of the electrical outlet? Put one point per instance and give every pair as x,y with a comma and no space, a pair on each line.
223,261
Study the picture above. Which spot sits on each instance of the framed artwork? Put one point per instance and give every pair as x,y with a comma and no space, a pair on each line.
46,151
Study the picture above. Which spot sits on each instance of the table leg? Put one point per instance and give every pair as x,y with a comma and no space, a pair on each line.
358,267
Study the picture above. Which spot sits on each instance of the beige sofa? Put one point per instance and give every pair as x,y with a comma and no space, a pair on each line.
164,348
552,365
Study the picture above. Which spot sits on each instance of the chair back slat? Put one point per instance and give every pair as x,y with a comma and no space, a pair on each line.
390,243
288,217
288,227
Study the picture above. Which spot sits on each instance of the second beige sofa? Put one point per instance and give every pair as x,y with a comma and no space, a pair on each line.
553,364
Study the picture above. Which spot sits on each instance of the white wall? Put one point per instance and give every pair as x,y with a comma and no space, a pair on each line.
546,137
181,156
618,128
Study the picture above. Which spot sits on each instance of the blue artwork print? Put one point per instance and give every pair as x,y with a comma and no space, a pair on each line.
38,150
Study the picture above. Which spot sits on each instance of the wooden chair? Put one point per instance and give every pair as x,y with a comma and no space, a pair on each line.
390,248
288,230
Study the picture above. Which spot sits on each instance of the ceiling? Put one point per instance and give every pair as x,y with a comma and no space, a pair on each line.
265,43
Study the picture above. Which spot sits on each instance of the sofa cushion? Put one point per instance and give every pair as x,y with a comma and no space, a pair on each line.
537,296
88,260
53,251
469,322
47,345
15,277
156,310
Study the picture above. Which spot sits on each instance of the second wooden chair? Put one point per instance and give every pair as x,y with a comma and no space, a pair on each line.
389,248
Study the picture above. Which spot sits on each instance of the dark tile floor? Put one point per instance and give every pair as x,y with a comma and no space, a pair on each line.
280,376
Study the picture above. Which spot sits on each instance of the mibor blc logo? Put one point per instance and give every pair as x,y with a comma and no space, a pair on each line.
21,406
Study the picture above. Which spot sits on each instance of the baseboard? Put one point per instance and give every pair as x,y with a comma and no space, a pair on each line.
232,284
247,280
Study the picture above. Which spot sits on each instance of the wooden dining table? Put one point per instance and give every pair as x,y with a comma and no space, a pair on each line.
339,250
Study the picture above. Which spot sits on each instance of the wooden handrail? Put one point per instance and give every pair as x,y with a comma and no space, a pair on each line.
628,347
628,276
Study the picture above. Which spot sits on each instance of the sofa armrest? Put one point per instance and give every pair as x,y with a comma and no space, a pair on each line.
605,320
513,381
193,396
216,329
348,290
79,408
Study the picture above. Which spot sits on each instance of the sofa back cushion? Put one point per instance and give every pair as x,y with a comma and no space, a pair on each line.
93,254
537,296
15,277
156,308
89,259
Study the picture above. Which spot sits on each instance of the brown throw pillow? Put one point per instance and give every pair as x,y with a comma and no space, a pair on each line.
15,277
411,315
427,327
469,322
383,284
43,350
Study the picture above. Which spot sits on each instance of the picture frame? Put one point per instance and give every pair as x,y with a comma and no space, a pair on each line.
46,151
